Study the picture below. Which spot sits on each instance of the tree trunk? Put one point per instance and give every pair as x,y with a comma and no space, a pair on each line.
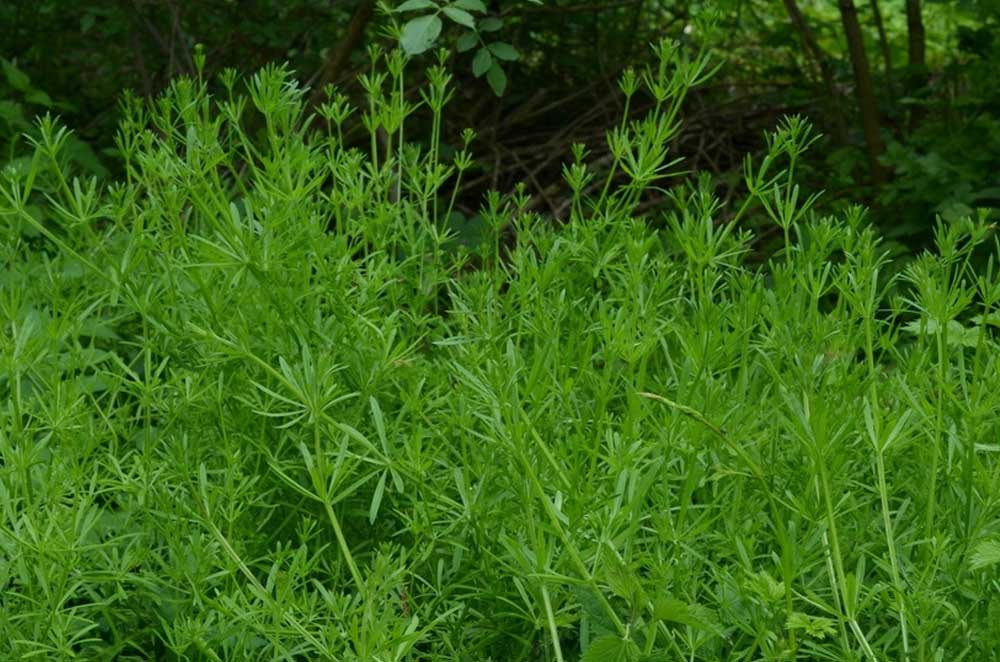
883,43
917,50
864,89
822,62
915,35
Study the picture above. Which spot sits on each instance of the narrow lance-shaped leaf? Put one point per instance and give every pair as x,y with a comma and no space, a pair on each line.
376,502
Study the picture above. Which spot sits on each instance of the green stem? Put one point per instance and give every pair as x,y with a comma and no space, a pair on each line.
551,618
938,427
322,490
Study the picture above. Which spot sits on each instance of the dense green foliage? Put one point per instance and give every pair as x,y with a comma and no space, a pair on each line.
261,404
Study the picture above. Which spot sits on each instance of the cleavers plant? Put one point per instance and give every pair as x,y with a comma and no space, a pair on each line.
259,403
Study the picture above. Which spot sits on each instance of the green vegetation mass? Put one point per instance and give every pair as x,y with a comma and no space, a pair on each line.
271,390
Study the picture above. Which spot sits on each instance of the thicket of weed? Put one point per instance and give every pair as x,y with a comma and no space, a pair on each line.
259,404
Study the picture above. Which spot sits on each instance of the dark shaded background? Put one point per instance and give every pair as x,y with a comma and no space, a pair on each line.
938,122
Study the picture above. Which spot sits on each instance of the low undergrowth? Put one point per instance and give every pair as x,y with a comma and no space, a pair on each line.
261,404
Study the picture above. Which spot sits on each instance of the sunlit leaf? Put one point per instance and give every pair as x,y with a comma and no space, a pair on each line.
460,16
414,5
420,34
986,553
470,5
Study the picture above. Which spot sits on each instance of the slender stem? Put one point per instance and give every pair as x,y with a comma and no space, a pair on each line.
840,576
574,553
322,490
883,488
551,618
938,427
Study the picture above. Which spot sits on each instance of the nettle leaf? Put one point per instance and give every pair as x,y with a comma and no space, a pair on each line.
470,5
592,614
958,335
677,611
482,62
611,648
420,34
504,51
461,17
414,5
993,319
817,627
986,553
623,582
497,79
467,41
490,24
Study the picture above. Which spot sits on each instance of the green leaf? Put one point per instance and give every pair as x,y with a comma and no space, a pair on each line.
39,98
467,41
87,22
673,610
13,113
504,51
82,154
414,5
461,17
958,335
611,648
985,554
918,327
377,498
490,24
993,319
817,627
593,612
482,62
420,34
15,77
96,328
379,421
470,5
497,79
622,581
